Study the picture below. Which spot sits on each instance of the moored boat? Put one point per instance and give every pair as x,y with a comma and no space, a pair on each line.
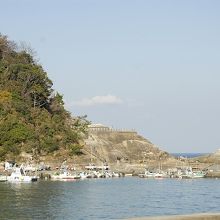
188,173
149,174
198,174
19,175
158,176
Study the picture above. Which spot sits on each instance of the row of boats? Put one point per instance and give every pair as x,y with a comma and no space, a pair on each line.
65,175
92,171
19,174
186,173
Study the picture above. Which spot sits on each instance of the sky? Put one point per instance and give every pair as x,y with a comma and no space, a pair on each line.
152,66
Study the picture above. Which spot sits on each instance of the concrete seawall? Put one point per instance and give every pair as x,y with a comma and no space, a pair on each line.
203,216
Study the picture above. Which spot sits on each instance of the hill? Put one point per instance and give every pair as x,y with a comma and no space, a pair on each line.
126,151
213,158
34,123
32,115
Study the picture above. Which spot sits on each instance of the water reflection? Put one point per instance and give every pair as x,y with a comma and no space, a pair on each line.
27,199
107,198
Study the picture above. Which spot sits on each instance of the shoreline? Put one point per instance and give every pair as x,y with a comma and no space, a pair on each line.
199,216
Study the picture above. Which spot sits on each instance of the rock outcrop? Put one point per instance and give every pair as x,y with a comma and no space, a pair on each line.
213,158
113,146
122,149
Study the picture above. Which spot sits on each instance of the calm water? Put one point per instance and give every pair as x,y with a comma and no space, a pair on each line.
108,198
189,155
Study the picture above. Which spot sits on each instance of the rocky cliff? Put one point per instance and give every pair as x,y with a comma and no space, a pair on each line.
124,150
123,146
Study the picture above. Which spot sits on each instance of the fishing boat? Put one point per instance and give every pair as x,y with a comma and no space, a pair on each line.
188,173
149,174
19,175
198,174
63,174
160,175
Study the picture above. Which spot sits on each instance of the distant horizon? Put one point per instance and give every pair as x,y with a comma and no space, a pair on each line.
190,153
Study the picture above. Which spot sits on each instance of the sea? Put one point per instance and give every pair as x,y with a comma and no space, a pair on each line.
117,198
189,155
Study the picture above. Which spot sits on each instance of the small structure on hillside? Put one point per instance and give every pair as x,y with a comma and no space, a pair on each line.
104,128
98,127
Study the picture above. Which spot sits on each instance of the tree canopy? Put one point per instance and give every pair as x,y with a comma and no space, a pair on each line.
32,114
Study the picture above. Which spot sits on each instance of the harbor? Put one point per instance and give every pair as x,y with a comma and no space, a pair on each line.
33,172
109,110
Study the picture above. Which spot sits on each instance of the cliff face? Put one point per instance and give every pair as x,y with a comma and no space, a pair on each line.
121,146
124,151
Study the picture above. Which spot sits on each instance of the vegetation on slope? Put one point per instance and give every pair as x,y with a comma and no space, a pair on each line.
32,116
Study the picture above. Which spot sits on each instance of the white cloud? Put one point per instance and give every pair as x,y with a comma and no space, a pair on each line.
99,100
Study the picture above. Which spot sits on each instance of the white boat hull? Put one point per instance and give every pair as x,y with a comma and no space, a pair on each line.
19,175
21,179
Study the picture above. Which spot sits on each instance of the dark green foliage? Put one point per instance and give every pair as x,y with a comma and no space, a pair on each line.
32,115
14,133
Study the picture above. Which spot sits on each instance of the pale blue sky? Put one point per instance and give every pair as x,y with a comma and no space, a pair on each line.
149,65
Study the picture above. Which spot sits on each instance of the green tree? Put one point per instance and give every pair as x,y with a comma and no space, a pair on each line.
32,116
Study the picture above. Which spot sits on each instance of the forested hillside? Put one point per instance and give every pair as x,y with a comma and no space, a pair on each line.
32,116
